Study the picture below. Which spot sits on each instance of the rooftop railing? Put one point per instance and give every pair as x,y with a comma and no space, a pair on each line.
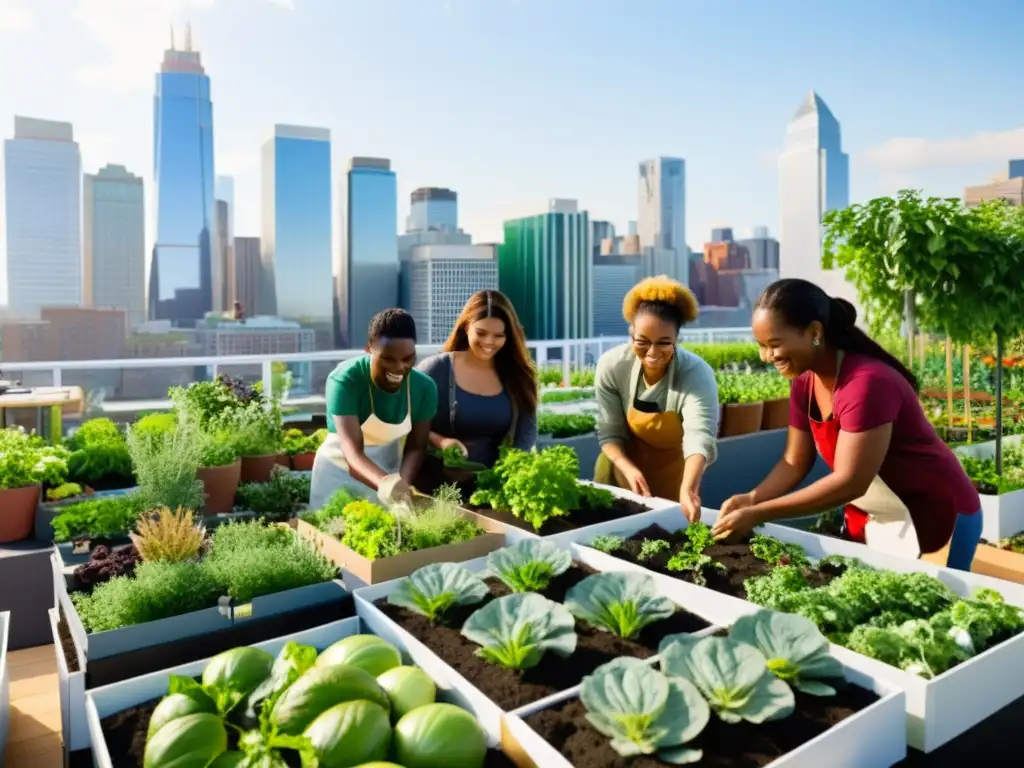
568,354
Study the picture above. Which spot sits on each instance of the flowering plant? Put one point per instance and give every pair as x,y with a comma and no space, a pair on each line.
26,459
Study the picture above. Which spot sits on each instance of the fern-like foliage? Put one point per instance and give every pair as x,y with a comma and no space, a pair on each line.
163,536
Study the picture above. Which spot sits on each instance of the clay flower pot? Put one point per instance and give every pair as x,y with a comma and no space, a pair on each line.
18,513
220,485
257,469
741,418
776,414
283,460
303,462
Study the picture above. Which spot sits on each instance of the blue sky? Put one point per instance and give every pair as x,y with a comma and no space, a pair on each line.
511,102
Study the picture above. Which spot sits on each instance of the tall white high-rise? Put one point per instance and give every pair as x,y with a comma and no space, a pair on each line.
662,209
44,217
115,243
814,177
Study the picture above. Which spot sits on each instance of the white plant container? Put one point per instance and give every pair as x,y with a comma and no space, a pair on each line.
71,693
937,710
1002,515
5,683
487,712
117,697
872,738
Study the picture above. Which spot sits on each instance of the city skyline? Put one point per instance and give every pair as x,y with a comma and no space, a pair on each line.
94,83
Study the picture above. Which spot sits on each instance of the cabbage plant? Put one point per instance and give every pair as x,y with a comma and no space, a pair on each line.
622,603
644,712
433,589
731,675
528,566
796,651
516,631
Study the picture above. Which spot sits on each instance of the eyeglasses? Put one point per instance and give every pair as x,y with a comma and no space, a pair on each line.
644,344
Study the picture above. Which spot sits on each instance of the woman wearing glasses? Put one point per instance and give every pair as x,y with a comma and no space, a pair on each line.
657,403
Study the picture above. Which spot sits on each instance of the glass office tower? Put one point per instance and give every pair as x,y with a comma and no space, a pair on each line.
296,238
183,278
367,272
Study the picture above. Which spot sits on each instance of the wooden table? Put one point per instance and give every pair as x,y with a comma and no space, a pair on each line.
45,401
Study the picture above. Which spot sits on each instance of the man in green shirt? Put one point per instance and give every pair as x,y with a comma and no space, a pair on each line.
379,411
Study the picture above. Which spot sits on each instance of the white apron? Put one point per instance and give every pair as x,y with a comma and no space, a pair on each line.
382,444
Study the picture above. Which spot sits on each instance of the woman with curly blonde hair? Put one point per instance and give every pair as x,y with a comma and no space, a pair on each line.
657,403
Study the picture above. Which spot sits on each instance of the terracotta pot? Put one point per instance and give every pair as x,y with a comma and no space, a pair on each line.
257,469
776,414
18,513
303,462
741,418
283,460
220,485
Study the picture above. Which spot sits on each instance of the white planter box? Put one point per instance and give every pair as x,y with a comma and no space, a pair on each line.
487,712
937,710
5,683
111,699
872,738
1002,515
71,692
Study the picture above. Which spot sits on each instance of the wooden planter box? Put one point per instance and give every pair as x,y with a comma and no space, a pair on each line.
5,683
871,737
937,710
119,654
988,561
388,568
775,414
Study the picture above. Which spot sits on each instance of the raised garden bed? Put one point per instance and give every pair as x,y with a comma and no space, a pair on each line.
119,715
374,545
197,617
5,685
442,641
857,726
1002,501
938,709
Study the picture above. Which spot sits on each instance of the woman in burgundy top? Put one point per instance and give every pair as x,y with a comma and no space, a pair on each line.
857,405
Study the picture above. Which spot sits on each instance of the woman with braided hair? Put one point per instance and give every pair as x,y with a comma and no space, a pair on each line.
902,488
657,418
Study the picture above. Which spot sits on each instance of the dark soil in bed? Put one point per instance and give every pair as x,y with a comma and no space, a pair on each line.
579,518
510,689
125,734
737,558
67,644
740,745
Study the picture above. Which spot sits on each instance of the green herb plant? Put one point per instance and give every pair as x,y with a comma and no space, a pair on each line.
607,544
651,547
277,500
536,486
95,518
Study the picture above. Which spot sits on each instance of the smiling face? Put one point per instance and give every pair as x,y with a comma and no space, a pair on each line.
791,350
654,341
486,337
390,362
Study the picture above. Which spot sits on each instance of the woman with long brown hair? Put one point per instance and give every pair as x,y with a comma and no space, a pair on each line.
486,383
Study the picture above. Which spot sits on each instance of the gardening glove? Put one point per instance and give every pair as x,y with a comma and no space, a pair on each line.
393,490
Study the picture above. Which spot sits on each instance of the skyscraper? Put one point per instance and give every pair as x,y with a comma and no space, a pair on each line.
814,177
296,239
662,203
184,279
433,208
115,243
763,249
224,192
43,181
247,271
545,269
367,269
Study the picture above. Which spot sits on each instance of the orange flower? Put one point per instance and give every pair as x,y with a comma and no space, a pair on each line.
988,360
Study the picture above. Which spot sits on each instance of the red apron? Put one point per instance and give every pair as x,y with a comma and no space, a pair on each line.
826,435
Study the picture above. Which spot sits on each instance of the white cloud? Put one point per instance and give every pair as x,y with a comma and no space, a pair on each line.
915,154
14,16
